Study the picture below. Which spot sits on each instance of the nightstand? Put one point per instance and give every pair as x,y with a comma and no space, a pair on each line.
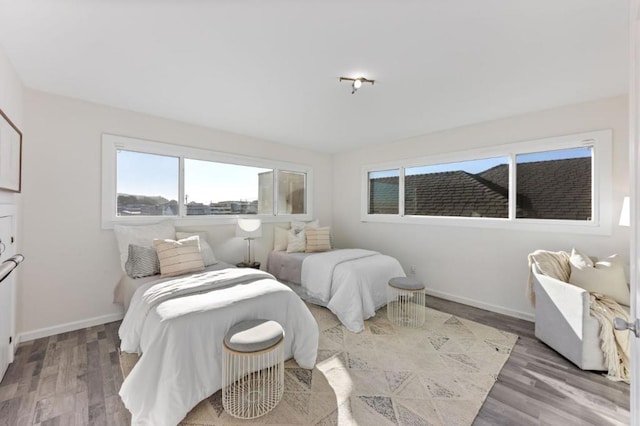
254,265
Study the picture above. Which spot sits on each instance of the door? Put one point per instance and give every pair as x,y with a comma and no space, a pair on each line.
6,295
634,174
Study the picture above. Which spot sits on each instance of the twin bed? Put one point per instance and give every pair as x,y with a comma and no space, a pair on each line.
177,324
351,283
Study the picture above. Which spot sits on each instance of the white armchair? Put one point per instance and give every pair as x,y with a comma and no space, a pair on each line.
564,323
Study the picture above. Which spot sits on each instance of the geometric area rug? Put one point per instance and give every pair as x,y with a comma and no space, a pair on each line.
439,374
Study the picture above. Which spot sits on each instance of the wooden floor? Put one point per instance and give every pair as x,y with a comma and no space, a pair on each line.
73,379
537,386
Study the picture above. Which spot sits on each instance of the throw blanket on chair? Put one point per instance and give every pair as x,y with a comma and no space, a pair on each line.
552,264
614,344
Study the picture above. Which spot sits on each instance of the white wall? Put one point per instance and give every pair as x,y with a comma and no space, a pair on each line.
481,267
73,264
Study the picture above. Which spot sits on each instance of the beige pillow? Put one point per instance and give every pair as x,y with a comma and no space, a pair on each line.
280,238
296,242
318,239
606,276
207,252
179,257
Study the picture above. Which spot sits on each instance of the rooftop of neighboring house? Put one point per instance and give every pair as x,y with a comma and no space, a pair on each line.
557,189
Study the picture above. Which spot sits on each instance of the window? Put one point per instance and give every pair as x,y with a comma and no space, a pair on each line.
563,181
147,184
291,189
458,189
142,179
384,188
555,184
213,188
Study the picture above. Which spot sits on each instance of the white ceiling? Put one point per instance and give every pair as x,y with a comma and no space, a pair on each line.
270,69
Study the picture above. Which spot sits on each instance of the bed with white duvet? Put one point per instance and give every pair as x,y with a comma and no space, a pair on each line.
178,324
352,283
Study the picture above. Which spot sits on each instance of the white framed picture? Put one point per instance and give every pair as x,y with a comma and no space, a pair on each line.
10,155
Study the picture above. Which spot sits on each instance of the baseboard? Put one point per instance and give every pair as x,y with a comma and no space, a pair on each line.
69,326
486,306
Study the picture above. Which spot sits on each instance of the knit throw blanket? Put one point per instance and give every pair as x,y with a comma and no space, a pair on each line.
614,343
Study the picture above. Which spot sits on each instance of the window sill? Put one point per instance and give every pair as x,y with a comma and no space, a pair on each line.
202,220
527,225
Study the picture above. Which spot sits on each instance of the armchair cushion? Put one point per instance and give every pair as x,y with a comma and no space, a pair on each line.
604,276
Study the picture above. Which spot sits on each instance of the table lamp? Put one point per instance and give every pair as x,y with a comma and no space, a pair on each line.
249,229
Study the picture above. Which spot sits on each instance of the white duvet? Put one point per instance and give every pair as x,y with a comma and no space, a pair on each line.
352,283
178,326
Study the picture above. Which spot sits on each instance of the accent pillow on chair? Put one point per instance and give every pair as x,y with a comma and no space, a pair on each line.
605,276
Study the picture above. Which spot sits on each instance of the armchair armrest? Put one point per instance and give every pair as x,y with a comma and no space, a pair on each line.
560,300
563,321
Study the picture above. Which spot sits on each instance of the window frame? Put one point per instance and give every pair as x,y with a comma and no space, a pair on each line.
112,143
601,188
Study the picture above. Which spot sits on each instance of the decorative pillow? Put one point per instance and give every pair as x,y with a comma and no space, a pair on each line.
179,257
296,242
280,238
206,250
606,276
141,235
142,262
299,226
318,239
581,260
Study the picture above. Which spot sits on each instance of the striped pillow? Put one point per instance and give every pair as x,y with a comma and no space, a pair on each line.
207,252
318,239
142,262
179,257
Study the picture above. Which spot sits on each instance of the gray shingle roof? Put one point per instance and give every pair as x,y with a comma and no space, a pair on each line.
383,195
453,194
558,189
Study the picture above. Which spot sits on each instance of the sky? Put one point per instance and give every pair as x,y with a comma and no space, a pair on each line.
478,166
149,174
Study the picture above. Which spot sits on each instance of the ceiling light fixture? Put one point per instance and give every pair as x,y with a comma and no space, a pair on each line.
356,83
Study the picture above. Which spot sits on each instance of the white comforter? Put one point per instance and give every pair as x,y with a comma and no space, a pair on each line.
351,282
178,326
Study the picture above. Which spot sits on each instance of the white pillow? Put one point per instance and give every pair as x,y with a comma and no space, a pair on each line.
297,243
606,276
206,250
280,238
141,235
297,227
580,259
179,257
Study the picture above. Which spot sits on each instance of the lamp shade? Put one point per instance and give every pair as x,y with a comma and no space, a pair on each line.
625,214
249,228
